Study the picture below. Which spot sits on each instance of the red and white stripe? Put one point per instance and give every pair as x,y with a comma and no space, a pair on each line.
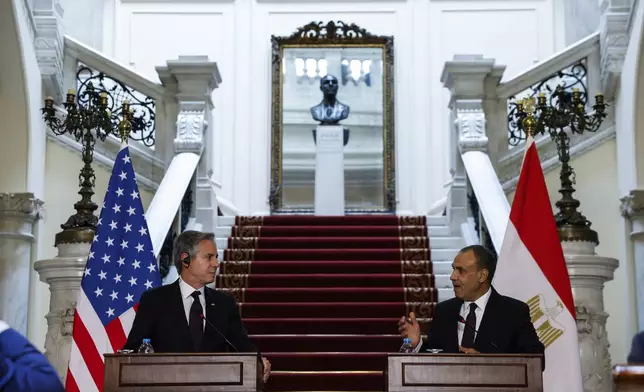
90,341
531,263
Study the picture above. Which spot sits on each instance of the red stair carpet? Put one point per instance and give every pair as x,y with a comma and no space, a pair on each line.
321,296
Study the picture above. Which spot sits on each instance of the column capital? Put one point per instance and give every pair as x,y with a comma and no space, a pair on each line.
584,264
632,205
195,77
191,79
21,205
466,75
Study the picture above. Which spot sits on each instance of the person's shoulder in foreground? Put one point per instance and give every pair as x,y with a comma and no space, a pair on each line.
637,349
22,367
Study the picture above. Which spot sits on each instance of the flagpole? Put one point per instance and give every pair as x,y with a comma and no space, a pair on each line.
532,266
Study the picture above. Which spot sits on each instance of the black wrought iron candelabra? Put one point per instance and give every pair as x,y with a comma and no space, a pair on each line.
564,111
87,119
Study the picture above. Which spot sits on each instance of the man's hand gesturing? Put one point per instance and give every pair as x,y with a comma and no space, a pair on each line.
409,328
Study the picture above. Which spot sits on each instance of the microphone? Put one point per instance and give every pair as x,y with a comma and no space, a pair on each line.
462,320
219,332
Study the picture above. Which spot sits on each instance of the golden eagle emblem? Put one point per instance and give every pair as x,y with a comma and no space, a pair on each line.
543,318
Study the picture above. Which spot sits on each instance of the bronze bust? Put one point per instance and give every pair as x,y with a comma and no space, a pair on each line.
330,111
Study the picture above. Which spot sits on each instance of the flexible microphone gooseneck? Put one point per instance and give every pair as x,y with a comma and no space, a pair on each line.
462,320
219,332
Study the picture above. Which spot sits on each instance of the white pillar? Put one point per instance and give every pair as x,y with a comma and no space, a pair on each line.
194,78
633,209
18,214
588,273
471,79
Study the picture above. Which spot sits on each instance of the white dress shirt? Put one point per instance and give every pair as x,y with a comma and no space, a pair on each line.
481,303
186,295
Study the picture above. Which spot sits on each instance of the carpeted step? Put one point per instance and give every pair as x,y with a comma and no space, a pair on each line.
348,242
326,254
333,294
326,267
365,326
327,381
325,342
329,231
321,296
350,220
303,361
325,280
335,309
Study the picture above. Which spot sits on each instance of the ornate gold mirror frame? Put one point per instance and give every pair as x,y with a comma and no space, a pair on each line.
338,35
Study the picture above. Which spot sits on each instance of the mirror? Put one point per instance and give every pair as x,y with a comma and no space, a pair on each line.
333,73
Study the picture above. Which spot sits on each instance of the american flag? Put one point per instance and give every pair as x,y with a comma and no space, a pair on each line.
120,267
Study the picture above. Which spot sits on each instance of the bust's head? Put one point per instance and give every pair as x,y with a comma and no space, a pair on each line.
329,85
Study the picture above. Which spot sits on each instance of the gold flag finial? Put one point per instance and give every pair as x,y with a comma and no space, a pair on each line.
125,126
529,122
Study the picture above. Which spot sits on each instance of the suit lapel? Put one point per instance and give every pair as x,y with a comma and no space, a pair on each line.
178,313
211,337
452,327
487,322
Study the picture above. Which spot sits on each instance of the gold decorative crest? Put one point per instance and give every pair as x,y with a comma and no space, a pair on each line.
544,319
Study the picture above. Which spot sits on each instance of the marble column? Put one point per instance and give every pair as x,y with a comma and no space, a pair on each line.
193,80
18,214
633,209
63,275
588,273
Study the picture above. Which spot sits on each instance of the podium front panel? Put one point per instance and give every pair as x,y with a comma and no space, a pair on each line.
628,378
183,372
456,373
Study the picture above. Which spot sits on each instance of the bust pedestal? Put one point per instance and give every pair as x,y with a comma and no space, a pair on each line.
329,170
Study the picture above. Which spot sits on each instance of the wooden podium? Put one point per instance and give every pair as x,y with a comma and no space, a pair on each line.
460,372
628,378
203,372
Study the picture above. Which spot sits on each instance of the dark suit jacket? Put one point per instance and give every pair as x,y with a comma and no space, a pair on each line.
637,349
162,318
23,368
506,323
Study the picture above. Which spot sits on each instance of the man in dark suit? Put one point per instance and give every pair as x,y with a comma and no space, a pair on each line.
478,319
174,316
